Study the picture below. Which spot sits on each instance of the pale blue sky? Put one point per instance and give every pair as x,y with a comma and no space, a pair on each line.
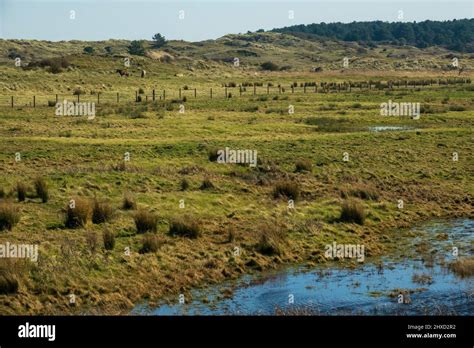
203,19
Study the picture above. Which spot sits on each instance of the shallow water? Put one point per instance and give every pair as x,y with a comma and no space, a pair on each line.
332,290
389,128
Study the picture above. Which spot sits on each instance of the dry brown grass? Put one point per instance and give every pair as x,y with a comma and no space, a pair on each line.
463,267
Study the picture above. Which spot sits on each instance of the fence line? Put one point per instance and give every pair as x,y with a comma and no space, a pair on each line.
228,91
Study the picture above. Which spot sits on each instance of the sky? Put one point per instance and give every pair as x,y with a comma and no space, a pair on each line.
197,20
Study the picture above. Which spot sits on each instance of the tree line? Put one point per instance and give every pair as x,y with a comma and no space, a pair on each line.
455,35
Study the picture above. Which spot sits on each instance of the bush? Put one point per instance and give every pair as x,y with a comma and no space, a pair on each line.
128,202
51,103
41,189
269,66
303,165
286,188
145,221
101,212
89,50
136,48
185,227
21,191
77,213
109,239
352,211
150,243
9,215
206,184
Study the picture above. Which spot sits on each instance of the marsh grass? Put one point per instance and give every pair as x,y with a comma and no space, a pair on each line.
353,212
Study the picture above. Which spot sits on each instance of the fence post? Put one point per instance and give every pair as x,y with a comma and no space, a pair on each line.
12,101
195,93
153,95
225,91
34,101
268,89
56,98
98,98
118,98
78,98
180,93
292,89
240,90
211,93
136,96
164,94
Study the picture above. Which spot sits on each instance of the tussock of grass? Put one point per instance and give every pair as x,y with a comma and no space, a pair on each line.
145,221
352,211
21,191
150,243
185,227
207,184
128,202
271,240
8,283
9,215
463,267
101,212
41,189
303,165
108,237
286,188
78,213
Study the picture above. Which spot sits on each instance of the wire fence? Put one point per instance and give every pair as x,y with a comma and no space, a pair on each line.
226,92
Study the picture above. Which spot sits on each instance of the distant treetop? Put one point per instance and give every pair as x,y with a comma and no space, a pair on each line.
456,35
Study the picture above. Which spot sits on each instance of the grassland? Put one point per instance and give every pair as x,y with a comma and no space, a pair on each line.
81,158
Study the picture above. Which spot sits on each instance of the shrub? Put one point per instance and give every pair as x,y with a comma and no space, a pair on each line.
145,221
271,240
352,211
77,213
270,66
89,50
9,215
41,189
109,239
206,184
286,188
21,191
2,192
128,202
136,48
101,212
51,103
303,165
184,184
8,283
185,227
141,91
150,243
